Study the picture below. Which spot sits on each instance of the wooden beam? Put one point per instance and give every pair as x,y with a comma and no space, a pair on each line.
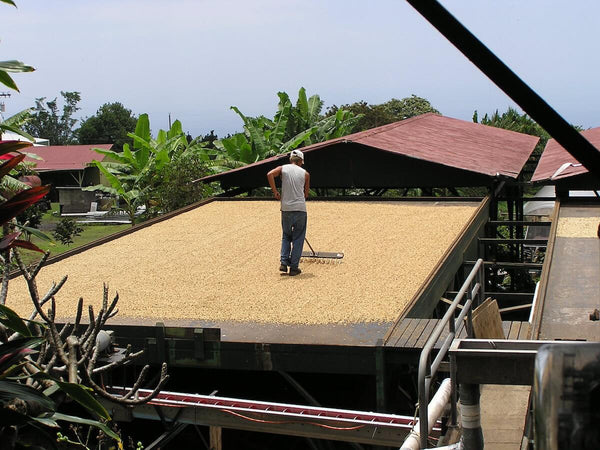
216,438
516,308
533,242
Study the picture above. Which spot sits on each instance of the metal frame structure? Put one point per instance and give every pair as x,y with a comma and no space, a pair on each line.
473,288
297,420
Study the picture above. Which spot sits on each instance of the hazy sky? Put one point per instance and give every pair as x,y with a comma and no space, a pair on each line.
194,59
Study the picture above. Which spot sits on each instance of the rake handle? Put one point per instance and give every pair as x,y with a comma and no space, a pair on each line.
310,246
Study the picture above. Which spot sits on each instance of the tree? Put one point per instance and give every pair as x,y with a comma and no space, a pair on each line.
391,111
46,122
110,125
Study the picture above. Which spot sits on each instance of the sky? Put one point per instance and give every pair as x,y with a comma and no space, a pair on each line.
193,59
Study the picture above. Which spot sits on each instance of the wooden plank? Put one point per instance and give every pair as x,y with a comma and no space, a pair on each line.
514,330
410,326
407,338
524,332
398,330
416,334
487,323
442,337
431,324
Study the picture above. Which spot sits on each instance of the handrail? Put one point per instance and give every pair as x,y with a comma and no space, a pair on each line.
427,370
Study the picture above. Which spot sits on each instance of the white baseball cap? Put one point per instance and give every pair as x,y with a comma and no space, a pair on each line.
297,153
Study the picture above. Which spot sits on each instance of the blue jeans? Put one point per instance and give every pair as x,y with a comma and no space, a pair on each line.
293,225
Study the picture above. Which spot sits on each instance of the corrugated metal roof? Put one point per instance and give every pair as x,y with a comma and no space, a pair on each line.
65,157
555,157
441,140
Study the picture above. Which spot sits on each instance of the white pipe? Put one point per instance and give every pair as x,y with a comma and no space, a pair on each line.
434,412
457,446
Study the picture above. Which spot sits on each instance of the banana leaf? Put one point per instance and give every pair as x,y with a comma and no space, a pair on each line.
9,184
142,130
102,188
280,120
255,132
297,140
15,66
112,179
315,104
15,129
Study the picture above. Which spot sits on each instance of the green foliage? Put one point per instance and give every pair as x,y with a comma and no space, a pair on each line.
111,125
15,123
291,127
174,187
12,66
33,215
46,122
137,175
391,111
66,230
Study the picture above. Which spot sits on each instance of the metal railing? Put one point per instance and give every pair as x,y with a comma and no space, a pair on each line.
473,288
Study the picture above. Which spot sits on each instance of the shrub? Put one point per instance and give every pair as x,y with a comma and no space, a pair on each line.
66,230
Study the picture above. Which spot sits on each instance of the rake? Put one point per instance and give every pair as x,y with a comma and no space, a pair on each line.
325,255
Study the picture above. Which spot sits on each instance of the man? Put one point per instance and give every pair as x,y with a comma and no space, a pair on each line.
295,183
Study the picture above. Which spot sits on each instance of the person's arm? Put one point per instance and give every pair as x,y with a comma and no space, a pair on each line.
306,184
276,172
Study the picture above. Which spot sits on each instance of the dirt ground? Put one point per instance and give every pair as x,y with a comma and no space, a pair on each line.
220,262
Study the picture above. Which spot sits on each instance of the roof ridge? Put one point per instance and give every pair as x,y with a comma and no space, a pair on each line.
387,126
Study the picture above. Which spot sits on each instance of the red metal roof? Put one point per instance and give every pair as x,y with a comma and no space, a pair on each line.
442,140
555,156
65,157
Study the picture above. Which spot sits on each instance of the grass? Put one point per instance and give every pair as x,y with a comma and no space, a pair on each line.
90,233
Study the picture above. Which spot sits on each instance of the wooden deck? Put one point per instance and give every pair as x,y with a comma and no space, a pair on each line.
413,333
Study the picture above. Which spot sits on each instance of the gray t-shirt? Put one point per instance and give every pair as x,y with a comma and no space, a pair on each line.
293,178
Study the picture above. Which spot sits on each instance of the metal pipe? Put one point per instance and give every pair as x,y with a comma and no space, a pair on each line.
424,369
434,412
458,446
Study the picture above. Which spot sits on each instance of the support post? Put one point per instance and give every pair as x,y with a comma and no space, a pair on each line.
216,441
380,376
471,416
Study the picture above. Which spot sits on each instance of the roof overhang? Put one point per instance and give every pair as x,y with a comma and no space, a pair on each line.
424,151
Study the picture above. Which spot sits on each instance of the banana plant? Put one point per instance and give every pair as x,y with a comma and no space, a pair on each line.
135,173
291,127
12,66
